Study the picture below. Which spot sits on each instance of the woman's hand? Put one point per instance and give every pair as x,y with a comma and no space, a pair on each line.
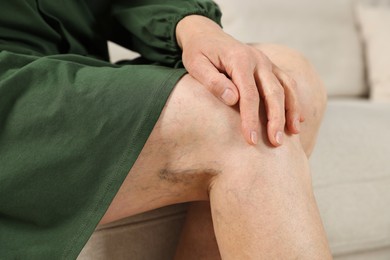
234,72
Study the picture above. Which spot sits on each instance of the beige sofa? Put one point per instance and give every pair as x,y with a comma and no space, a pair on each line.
351,169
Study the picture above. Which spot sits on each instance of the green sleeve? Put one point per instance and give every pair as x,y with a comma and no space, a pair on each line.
148,26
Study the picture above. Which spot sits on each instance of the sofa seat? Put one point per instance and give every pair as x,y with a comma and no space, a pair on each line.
352,178
147,236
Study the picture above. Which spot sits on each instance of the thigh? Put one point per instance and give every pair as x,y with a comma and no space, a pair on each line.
178,160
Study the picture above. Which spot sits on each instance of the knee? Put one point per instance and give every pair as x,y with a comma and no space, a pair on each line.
262,169
196,128
310,88
196,118
309,85
206,142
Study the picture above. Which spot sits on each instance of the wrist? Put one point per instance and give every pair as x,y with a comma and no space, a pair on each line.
193,26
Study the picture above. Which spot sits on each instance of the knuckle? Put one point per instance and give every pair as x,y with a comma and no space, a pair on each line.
213,81
292,102
240,53
278,119
292,84
253,99
251,95
192,63
264,61
293,108
251,121
260,55
276,92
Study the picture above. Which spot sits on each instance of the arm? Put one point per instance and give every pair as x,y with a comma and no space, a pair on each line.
148,26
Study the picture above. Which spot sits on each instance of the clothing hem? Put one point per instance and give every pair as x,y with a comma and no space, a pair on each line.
135,144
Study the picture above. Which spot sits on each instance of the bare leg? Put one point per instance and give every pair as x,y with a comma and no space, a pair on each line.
261,197
198,238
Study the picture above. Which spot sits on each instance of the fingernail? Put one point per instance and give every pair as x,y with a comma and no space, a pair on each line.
254,137
228,97
297,125
279,137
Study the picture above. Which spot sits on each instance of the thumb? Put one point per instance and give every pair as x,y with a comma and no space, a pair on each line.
216,82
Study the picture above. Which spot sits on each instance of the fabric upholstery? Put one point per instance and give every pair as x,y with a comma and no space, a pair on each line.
324,31
351,175
151,235
374,18
377,254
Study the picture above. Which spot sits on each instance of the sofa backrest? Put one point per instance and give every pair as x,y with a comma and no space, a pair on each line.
325,31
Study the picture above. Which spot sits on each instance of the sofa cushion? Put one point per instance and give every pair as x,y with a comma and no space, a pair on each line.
150,235
351,175
323,30
374,18
378,254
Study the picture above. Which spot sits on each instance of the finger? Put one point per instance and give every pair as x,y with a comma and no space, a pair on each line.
249,102
217,83
293,111
274,99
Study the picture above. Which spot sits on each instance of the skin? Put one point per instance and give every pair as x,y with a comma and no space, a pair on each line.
257,196
245,73
198,239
